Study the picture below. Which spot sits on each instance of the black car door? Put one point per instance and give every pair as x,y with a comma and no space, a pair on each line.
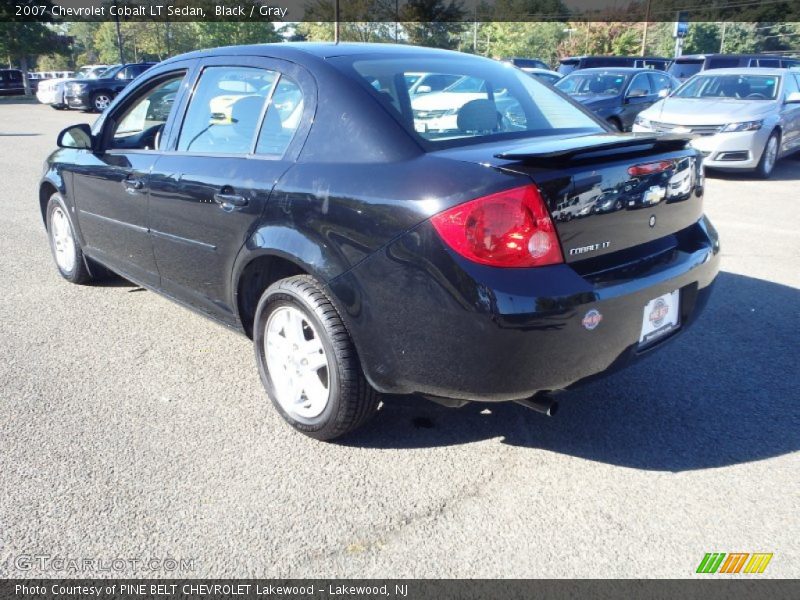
638,96
110,184
241,130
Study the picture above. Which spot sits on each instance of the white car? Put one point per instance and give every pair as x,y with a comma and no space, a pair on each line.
51,91
741,119
438,111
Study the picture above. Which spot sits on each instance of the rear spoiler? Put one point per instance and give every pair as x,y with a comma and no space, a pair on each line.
563,149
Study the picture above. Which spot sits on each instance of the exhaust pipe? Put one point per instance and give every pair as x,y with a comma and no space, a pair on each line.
541,403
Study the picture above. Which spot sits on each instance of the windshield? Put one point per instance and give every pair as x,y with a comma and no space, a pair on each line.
685,68
107,73
740,87
488,100
594,84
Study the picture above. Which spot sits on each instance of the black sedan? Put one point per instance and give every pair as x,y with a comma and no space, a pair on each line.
96,94
292,192
617,95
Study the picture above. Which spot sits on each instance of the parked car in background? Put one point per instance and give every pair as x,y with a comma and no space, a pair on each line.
617,95
527,63
52,90
574,63
684,67
742,118
366,254
545,75
96,94
11,82
425,83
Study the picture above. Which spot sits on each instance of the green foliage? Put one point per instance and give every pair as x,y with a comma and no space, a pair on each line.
433,23
528,40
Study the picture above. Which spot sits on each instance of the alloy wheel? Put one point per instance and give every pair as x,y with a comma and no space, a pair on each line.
63,242
101,102
297,363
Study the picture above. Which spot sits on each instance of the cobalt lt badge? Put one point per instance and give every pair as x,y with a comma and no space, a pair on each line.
592,319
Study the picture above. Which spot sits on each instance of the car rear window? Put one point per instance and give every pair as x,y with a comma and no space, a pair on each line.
685,68
489,100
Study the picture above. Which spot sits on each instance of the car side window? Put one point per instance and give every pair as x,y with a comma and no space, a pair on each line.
790,85
282,118
225,110
660,82
141,125
641,82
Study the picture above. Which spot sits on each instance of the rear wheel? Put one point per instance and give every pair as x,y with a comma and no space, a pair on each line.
67,253
769,156
307,360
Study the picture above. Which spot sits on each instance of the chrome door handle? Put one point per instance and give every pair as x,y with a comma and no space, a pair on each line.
230,200
133,185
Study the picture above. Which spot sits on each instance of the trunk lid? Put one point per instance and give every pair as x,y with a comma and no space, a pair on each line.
597,205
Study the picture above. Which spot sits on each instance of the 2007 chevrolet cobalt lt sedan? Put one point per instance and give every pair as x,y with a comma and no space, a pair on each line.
293,191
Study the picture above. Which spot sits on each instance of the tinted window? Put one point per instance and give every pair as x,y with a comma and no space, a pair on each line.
721,62
488,100
641,82
593,84
683,69
282,119
141,125
772,63
225,109
660,82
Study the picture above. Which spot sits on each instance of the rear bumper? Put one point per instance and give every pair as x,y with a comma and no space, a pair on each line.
446,327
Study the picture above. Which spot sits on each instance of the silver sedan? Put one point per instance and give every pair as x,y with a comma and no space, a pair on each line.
741,119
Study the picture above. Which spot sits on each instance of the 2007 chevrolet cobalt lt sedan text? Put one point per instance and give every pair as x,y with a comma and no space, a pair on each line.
507,246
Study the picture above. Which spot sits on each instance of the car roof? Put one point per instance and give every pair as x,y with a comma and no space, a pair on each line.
289,50
745,71
621,70
754,55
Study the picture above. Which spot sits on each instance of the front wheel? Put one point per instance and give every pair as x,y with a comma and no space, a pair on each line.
307,361
769,156
100,101
66,251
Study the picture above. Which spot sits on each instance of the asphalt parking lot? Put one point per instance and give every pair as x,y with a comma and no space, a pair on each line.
132,428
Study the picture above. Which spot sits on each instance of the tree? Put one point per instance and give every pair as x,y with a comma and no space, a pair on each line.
21,40
529,40
432,23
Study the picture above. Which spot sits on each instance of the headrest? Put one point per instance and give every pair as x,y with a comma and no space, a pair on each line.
478,115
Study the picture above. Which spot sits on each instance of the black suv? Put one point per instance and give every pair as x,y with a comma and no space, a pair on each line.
11,82
97,94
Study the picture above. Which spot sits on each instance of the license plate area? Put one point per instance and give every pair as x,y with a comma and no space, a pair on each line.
661,317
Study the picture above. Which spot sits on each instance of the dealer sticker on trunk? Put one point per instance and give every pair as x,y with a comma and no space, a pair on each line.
661,317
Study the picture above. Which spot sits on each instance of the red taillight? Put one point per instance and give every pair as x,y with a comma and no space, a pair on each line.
650,168
507,229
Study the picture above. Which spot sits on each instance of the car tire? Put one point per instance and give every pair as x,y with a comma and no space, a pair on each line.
769,156
101,101
308,362
67,253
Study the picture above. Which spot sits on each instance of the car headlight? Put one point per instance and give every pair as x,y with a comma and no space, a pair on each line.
642,122
746,126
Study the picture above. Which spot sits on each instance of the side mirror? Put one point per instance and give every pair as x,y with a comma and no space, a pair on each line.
78,137
793,98
424,89
663,93
637,93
